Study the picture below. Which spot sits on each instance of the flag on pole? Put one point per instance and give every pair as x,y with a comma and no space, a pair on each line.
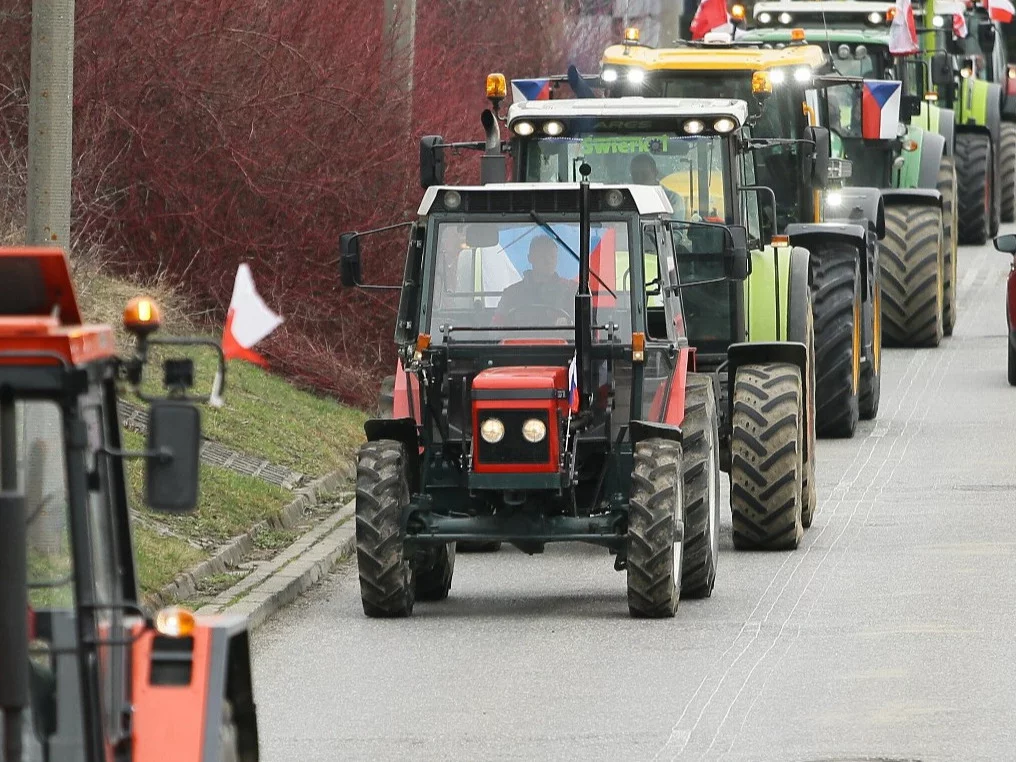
530,90
710,15
573,384
959,26
903,30
1001,10
248,321
880,109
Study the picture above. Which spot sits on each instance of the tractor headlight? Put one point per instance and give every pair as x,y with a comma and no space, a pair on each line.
938,21
492,430
534,430
609,75
786,18
523,128
802,75
636,76
765,18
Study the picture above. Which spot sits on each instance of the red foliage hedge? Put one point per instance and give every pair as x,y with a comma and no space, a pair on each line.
215,132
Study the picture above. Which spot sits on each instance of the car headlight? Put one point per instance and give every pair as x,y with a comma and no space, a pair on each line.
492,430
534,430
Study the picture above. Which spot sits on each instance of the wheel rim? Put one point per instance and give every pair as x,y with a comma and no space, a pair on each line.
877,329
856,368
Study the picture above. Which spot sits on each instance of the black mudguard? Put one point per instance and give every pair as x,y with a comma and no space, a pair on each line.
812,234
400,430
932,150
860,206
912,197
797,299
747,353
639,431
947,129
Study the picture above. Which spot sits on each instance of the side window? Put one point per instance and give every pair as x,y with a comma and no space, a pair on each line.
752,220
656,318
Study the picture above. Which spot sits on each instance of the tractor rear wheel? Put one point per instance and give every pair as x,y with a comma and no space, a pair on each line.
433,584
700,446
974,195
382,492
912,276
655,530
767,463
950,242
1007,177
836,303
809,489
386,398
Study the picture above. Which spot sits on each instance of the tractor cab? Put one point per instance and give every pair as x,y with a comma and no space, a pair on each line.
86,674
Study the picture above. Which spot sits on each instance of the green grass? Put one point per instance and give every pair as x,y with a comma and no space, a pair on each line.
161,558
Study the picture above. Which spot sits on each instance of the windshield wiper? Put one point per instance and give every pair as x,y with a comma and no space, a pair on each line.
547,228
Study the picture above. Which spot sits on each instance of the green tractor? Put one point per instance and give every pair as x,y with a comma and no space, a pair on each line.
842,238
914,168
738,331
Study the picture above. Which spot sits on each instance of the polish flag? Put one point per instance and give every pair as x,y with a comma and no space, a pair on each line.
903,30
710,15
248,321
1001,10
959,26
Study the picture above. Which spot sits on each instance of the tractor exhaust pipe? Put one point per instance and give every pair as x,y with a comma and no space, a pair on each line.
492,164
583,298
14,696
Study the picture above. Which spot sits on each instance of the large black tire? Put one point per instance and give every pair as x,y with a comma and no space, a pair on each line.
434,583
1007,176
973,187
767,464
871,371
386,398
1012,365
700,445
836,302
655,530
950,242
912,276
809,487
382,491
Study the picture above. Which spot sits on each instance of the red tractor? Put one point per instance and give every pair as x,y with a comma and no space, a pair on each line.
86,675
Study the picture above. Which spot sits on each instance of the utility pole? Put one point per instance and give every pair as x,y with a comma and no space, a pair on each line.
50,118
400,26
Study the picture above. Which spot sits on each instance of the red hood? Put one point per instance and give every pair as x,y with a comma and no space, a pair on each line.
521,377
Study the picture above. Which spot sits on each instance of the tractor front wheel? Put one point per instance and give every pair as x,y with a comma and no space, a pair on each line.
1007,154
912,276
700,446
655,529
836,302
767,463
974,194
950,241
382,492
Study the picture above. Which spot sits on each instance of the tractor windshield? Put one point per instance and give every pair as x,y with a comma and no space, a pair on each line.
521,277
690,169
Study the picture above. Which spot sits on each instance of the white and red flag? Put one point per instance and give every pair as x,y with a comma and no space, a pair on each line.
959,26
248,321
903,30
1001,10
710,15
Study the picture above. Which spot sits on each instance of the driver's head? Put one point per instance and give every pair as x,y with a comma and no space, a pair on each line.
543,256
643,170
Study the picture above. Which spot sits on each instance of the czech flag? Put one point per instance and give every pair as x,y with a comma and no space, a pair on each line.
530,90
1001,10
880,109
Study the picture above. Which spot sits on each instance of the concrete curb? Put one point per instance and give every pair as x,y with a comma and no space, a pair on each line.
298,568
232,553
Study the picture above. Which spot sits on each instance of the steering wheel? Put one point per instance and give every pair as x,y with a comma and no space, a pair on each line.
547,309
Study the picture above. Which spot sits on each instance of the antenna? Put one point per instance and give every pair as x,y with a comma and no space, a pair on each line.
829,43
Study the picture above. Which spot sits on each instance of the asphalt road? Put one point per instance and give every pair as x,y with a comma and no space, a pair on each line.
888,635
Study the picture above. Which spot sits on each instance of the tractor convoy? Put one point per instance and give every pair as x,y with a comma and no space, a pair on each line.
691,271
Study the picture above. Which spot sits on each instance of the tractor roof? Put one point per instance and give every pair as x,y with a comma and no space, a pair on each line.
647,199
814,9
630,106
39,312
714,57
869,37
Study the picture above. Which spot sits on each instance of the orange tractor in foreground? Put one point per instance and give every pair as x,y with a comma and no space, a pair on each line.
86,675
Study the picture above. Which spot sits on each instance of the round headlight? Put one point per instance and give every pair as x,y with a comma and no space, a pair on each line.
938,22
786,18
874,18
636,76
534,430
843,51
609,75
724,124
693,126
492,430
901,130
614,198
523,128
834,198
802,75
452,200
765,18
553,128
777,76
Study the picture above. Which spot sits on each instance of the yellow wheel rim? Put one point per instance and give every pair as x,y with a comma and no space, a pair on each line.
857,345
876,322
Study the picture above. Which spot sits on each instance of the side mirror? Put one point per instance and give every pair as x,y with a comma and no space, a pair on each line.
349,259
171,471
432,160
1006,243
816,166
986,37
736,256
941,70
910,106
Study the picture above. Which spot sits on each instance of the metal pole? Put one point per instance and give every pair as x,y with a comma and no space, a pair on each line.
50,123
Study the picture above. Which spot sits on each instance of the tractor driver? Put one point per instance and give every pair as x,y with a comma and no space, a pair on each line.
645,172
542,296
